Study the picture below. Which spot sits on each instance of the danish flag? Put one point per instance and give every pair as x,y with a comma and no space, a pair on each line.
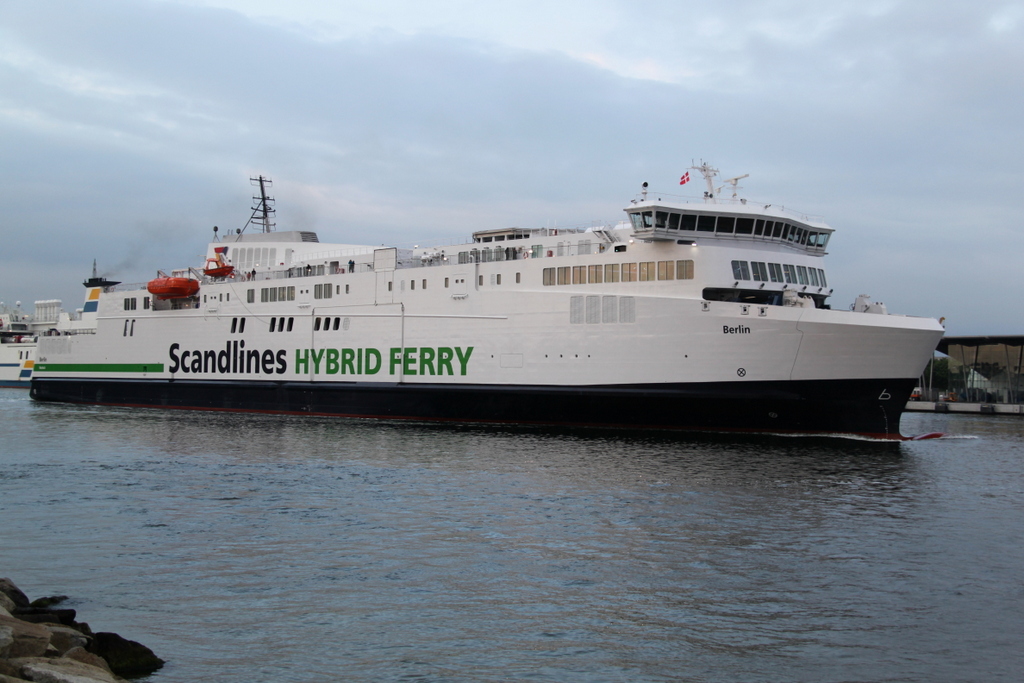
685,179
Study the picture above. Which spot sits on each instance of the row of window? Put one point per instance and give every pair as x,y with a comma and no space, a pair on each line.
278,324
325,324
775,272
602,309
615,272
132,303
270,294
729,225
247,258
501,238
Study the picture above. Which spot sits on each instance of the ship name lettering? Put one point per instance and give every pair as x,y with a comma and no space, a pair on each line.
739,329
412,360
234,359
426,360
337,361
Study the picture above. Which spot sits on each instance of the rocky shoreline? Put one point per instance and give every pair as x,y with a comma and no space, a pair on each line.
43,643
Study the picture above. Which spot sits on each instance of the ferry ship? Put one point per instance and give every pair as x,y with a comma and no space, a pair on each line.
704,314
18,334
17,347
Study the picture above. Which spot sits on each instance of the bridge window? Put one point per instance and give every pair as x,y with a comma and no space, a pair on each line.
705,223
740,270
726,224
744,226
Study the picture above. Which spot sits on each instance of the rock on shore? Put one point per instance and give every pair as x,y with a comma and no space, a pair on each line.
39,642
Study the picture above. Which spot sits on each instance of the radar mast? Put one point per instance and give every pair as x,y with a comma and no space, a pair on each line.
264,209
709,173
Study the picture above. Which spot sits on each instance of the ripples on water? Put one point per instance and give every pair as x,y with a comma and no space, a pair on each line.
270,548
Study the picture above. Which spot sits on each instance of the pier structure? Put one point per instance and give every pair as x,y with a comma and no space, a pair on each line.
984,376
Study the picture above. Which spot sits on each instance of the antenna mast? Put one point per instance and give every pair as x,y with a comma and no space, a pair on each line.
264,210
734,182
708,172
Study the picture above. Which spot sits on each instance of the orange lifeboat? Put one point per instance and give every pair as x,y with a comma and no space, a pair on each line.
172,287
215,268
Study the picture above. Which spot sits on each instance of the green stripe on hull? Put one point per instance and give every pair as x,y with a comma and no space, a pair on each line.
99,367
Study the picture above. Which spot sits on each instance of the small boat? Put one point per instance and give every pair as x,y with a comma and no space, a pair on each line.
172,287
217,266
215,269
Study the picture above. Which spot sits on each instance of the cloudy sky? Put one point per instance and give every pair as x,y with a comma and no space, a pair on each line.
128,128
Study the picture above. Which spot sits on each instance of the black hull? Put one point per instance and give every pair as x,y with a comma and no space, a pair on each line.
865,407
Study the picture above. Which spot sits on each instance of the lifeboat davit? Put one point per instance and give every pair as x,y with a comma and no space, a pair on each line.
172,287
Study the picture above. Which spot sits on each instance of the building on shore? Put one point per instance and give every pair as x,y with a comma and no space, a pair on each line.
984,376
985,369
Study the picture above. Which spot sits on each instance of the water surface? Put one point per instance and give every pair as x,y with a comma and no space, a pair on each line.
275,548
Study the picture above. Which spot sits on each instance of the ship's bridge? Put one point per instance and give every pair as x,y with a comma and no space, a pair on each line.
664,222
